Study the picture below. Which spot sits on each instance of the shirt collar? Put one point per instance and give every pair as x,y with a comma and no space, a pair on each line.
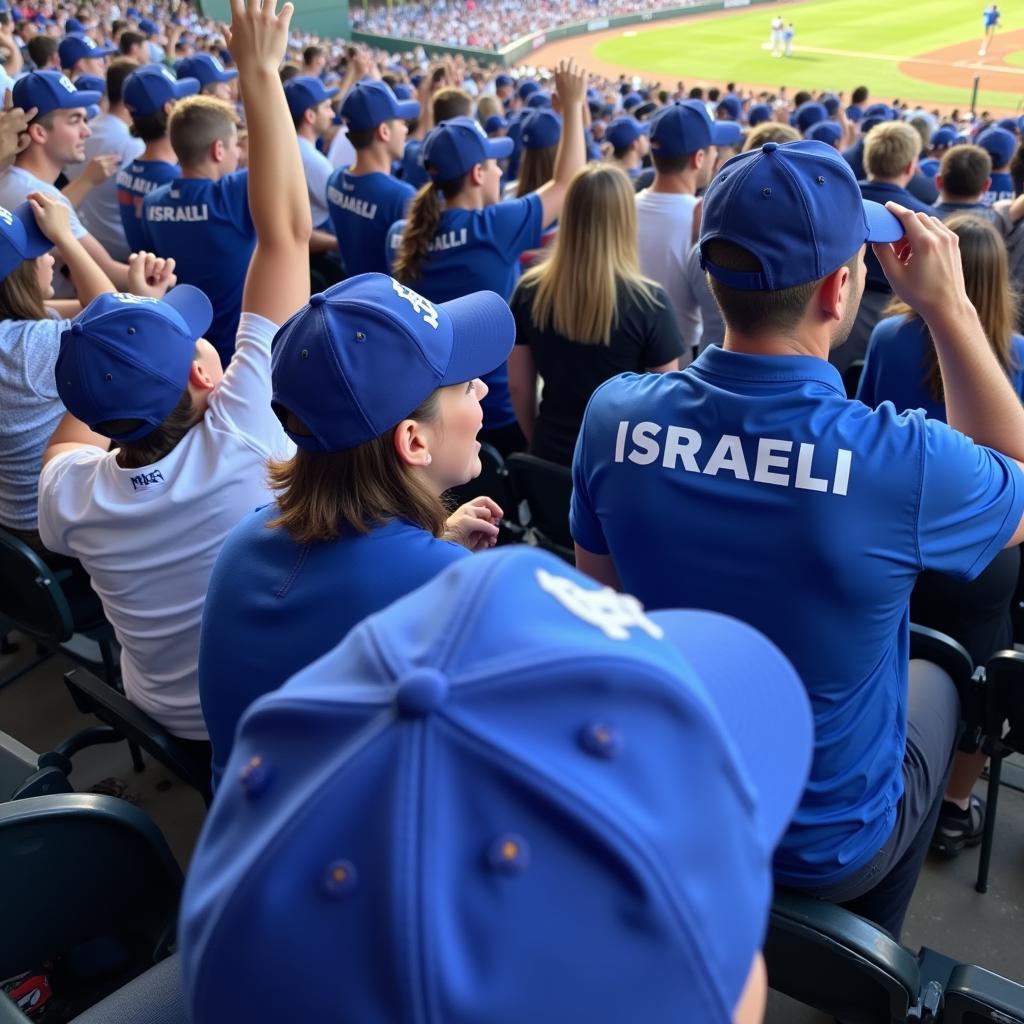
741,366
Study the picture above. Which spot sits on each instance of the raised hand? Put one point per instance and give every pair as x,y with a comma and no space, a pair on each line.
570,82
52,216
150,275
258,37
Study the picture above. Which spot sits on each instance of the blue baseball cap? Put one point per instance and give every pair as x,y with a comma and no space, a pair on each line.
541,129
205,68
148,89
797,208
455,146
539,100
685,126
126,357
828,132
462,815
148,27
495,123
758,114
999,144
624,131
72,49
731,107
361,356
402,91
526,88
305,91
502,80
73,25
371,103
91,83
944,137
831,103
633,99
50,90
20,238
808,115
854,113
876,114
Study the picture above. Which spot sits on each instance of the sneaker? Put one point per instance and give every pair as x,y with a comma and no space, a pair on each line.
957,829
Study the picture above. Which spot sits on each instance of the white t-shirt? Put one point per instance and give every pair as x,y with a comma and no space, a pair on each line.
148,537
341,152
664,224
318,169
15,185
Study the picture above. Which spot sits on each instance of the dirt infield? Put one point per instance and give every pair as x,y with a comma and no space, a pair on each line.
958,65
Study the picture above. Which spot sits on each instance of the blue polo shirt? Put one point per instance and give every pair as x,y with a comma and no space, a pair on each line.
896,367
749,485
134,182
363,207
884,192
274,606
206,226
477,250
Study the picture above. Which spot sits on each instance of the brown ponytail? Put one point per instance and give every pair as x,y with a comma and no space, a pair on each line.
421,226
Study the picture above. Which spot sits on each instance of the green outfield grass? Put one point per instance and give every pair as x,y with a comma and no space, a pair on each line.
872,36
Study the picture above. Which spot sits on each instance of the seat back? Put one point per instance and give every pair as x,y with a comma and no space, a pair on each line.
977,996
838,963
942,650
546,487
17,763
1004,677
76,867
31,597
156,997
493,482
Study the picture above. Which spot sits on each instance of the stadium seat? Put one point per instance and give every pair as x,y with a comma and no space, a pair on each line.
93,697
942,650
155,997
546,489
88,885
851,377
974,996
493,482
23,773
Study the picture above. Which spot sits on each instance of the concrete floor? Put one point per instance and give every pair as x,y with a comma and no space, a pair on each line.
946,913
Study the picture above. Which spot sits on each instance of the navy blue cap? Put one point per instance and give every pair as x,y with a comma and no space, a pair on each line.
797,208
365,353
457,145
944,137
50,90
624,131
539,100
999,144
685,126
731,107
371,103
828,132
831,103
148,89
541,129
126,357
495,123
205,68
402,91
305,91
758,114
808,115
20,238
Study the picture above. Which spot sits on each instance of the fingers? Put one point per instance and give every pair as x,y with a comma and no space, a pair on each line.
8,100
491,505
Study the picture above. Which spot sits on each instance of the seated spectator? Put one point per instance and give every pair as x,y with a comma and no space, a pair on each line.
630,143
312,114
79,55
202,218
473,242
364,490
922,188
850,504
1000,146
214,79
965,175
147,519
586,314
458,780
134,46
43,53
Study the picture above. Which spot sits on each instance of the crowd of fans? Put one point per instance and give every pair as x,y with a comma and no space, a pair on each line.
241,377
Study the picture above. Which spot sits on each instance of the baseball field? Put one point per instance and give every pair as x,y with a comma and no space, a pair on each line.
918,51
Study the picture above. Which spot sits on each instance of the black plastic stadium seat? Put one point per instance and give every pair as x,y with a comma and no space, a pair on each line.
493,482
546,489
977,996
155,997
23,773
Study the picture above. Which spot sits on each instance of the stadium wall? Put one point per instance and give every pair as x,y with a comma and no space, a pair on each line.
327,18
522,47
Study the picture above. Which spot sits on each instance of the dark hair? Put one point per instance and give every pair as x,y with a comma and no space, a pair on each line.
696,93
310,53
421,224
117,74
150,127
670,164
621,154
362,139
452,102
1017,169
536,168
160,441
758,312
860,94
129,40
964,171
41,49
802,97
288,72
713,95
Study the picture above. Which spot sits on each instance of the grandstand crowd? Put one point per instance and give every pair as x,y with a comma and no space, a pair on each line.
266,303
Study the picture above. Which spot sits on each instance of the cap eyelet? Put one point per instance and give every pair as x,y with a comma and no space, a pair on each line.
108,376
254,776
360,336
601,740
339,878
509,853
820,179
304,353
131,330
766,192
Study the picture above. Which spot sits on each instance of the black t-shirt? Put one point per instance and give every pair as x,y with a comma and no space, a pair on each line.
643,336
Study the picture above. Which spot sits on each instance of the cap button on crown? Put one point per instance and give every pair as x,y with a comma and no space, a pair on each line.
769,147
317,300
421,692
77,328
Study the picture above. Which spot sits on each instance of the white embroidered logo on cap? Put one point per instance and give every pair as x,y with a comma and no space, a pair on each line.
6,216
67,83
168,74
613,613
216,63
418,303
129,299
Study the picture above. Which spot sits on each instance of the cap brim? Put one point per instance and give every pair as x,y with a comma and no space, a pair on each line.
761,702
104,51
883,226
500,149
483,333
407,110
227,75
36,243
192,305
186,87
329,94
726,133
79,98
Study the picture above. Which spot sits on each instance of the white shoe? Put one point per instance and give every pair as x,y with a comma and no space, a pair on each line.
981,53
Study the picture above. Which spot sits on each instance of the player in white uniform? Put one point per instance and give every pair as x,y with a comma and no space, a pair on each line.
777,26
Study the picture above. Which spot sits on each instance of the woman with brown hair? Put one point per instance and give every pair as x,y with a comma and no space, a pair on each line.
586,314
379,389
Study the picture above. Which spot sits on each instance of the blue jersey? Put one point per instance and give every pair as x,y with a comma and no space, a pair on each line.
206,226
749,485
274,606
991,17
897,366
363,207
1001,187
134,182
479,250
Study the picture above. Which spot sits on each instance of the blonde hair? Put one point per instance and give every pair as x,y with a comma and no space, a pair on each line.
770,131
987,281
576,286
487,107
890,148
196,123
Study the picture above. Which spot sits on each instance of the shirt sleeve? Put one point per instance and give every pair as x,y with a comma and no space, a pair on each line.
662,340
42,346
584,524
514,225
58,492
520,304
78,229
971,501
393,242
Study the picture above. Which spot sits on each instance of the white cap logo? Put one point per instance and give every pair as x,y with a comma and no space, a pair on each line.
612,613
166,72
67,83
216,63
6,216
137,300
418,303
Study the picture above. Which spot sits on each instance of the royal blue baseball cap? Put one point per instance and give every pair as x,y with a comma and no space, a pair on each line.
731,107
854,113
541,129
20,238
72,49
758,114
631,100
457,145
502,80
999,144
371,103
305,91
91,83
831,103
148,27
148,89
876,114
685,126
828,132
205,68
402,91
50,90
74,26
808,115
567,814
361,356
797,208
944,137
624,131
495,123
526,88
539,100
126,357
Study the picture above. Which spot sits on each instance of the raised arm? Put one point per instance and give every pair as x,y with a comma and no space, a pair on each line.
278,280
571,86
